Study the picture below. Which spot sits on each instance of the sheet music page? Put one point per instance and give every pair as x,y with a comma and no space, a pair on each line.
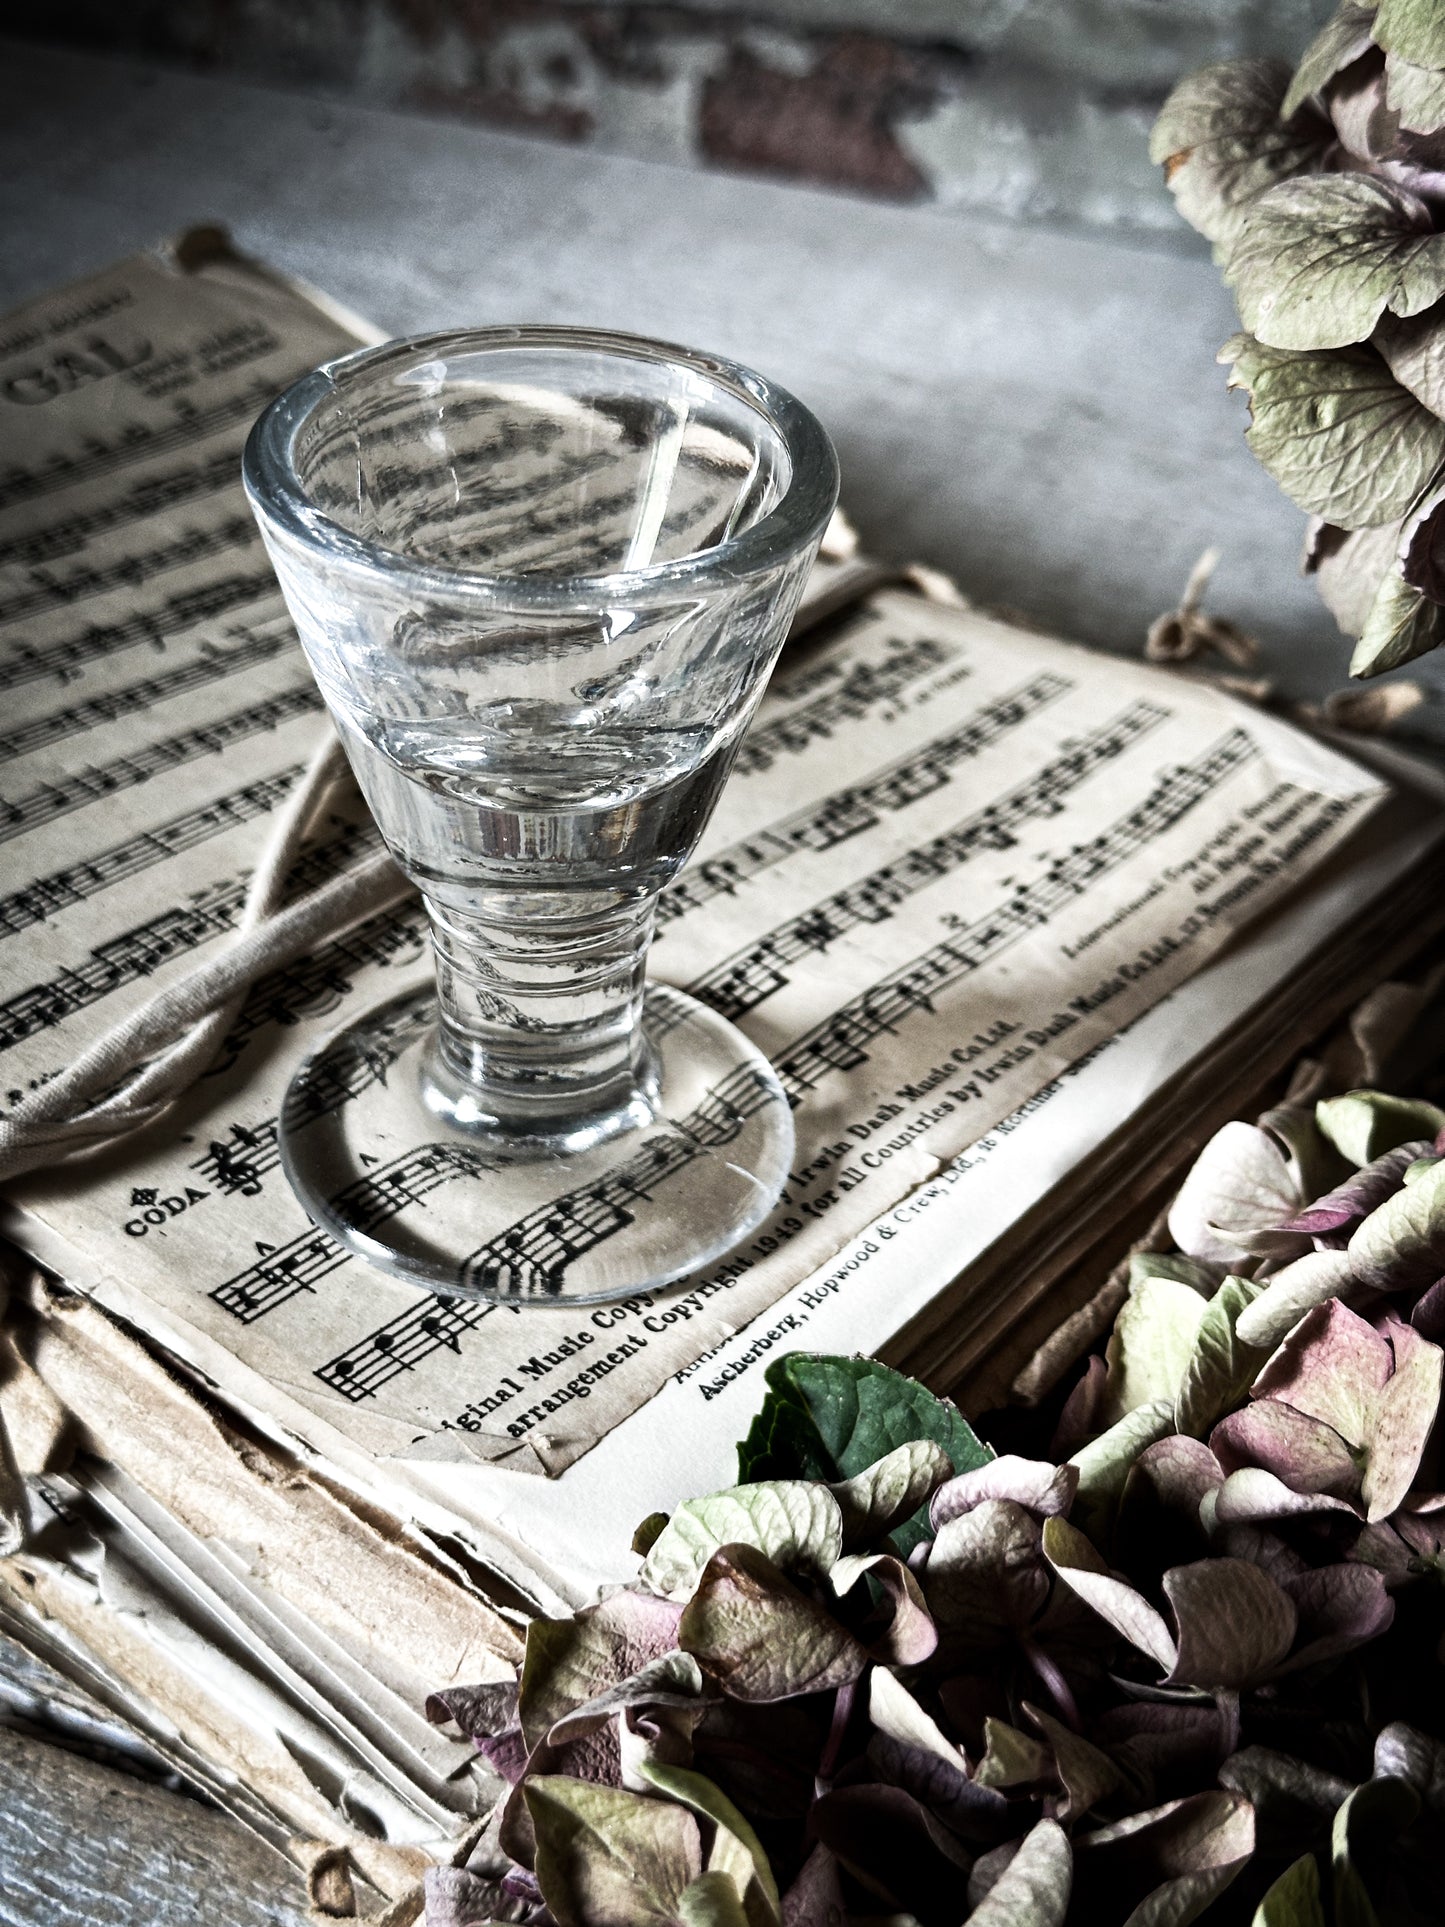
953,859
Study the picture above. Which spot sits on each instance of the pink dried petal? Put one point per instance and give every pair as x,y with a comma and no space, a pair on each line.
1302,1452
1333,1367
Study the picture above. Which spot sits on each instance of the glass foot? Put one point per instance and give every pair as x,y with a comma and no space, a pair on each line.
471,1211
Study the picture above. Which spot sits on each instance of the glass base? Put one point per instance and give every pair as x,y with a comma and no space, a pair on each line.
466,1207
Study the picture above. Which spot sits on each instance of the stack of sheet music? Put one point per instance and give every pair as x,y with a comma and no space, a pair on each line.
1016,923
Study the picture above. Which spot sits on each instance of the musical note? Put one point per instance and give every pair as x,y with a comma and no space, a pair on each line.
84,786
743,981
246,1157
150,496
137,442
131,571
27,662
300,1265
258,646
866,686
49,894
141,951
529,1258
851,811
319,981
841,1040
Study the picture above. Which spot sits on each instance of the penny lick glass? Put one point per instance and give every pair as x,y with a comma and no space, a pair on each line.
541,576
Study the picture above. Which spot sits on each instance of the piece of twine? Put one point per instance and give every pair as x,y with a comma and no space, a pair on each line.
138,1068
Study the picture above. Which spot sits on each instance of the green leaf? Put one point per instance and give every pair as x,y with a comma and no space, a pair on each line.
1221,1367
1033,1890
1338,433
1401,1245
607,1858
887,1493
1153,1340
1318,261
1413,29
712,1901
1342,39
1364,1125
793,1522
1377,1812
830,1417
759,1636
1127,1611
1416,94
695,1790
1223,138
1294,1899
1402,625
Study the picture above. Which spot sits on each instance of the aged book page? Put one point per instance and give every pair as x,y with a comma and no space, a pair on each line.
954,859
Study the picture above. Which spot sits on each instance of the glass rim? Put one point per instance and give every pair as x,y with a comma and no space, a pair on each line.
281,501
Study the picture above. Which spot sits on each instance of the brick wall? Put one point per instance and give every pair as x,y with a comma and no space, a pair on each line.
1029,109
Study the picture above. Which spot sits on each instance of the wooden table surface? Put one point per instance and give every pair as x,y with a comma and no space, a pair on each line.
1037,412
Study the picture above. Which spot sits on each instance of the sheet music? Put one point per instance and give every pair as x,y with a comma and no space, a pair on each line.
953,859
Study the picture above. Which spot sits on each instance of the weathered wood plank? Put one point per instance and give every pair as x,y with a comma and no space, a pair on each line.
84,1846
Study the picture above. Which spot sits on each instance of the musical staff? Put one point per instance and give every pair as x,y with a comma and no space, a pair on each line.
528,1260
140,952
136,698
138,442
85,786
842,1040
62,888
857,808
66,659
243,1160
867,686
280,1275
152,495
193,545
743,981
317,984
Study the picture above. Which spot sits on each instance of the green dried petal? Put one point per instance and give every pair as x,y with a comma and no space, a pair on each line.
1318,261
1335,429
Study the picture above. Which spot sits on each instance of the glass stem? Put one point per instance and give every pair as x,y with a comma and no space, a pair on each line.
541,1016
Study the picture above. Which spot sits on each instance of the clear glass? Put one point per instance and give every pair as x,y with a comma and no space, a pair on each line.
541,576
